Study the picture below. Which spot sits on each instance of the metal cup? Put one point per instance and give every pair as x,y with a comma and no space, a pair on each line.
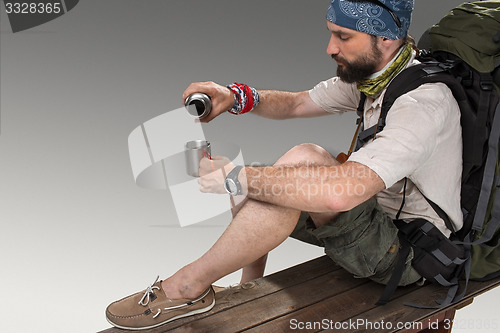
194,151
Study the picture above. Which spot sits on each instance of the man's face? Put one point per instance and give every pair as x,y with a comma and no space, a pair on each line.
356,53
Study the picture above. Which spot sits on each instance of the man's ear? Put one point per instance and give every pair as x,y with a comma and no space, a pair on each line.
389,45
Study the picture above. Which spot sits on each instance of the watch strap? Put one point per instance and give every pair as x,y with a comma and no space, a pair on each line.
233,175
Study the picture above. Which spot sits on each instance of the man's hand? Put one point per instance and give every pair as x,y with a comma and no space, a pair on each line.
213,172
222,98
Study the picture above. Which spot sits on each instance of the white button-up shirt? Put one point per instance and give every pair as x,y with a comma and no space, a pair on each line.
422,140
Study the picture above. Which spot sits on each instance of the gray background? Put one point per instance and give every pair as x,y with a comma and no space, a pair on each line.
76,232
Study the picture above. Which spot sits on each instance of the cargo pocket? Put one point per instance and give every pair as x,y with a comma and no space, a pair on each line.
360,240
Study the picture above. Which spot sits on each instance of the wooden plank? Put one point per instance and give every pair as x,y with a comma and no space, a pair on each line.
311,292
254,290
330,312
388,316
396,312
275,305
365,316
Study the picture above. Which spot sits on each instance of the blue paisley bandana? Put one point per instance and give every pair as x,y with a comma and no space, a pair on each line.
390,20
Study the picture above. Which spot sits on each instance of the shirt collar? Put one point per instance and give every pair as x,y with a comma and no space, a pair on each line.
377,102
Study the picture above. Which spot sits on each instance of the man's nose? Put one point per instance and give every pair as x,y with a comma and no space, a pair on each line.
333,48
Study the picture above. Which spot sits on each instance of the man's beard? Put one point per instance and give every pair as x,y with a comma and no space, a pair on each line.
360,68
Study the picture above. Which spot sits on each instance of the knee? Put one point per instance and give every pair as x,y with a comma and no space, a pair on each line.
306,154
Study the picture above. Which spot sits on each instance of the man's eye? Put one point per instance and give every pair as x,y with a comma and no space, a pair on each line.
343,37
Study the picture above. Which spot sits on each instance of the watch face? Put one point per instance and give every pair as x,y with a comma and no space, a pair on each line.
231,186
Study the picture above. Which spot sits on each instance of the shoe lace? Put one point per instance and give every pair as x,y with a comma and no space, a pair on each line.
158,311
149,291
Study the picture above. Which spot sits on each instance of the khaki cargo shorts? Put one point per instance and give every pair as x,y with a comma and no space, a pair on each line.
364,241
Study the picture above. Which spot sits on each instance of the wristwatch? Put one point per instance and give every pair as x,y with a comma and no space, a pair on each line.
231,183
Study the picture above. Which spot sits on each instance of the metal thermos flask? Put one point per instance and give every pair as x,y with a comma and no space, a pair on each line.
198,105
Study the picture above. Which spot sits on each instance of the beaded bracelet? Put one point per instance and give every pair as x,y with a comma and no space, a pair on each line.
245,98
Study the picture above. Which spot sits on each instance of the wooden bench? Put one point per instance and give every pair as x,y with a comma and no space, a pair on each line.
319,296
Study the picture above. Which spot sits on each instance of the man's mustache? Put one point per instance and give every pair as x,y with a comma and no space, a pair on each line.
338,59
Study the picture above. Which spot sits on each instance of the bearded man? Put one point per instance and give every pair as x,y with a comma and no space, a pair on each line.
347,207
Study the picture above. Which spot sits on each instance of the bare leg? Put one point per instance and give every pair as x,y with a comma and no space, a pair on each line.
258,228
254,270
314,155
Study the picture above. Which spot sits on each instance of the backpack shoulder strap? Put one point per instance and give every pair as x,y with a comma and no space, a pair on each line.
430,71
490,180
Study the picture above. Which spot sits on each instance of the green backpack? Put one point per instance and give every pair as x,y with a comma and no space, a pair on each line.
472,33
462,51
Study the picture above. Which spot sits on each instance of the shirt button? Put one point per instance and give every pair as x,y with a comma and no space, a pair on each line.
369,115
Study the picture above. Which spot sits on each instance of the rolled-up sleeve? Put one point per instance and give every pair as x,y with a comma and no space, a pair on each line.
335,96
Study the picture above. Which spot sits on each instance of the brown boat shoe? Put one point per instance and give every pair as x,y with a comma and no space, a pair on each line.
151,308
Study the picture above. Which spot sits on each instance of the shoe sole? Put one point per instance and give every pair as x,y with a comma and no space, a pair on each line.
192,313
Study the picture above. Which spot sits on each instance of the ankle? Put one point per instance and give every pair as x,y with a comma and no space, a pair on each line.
180,292
176,288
